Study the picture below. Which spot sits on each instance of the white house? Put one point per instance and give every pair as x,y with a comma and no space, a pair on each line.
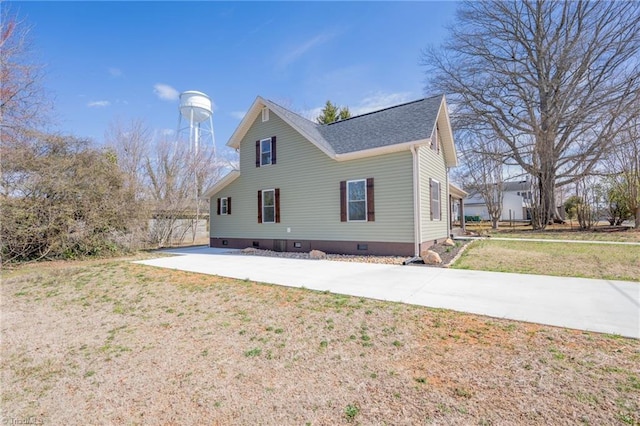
516,202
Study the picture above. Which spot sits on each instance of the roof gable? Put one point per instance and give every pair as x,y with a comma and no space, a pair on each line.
375,133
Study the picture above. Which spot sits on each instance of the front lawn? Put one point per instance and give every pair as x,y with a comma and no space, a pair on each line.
111,342
616,262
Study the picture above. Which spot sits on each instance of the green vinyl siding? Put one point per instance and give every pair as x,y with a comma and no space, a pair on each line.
309,183
432,166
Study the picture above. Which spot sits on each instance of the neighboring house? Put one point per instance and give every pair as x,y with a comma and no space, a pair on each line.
516,202
372,184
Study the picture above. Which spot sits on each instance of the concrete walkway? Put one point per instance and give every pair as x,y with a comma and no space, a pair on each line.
586,304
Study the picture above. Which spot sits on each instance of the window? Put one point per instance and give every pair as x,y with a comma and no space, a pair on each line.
269,206
356,201
434,186
266,151
435,142
265,114
224,206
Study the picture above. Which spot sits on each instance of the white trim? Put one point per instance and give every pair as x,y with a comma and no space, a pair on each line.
270,152
439,200
372,152
274,205
265,114
417,232
226,180
450,155
224,206
365,201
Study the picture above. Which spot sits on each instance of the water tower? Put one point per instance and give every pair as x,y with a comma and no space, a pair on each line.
195,123
195,120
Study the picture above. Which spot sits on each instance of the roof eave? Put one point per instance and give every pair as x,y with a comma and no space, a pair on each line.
252,113
246,122
218,186
451,157
457,191
388,149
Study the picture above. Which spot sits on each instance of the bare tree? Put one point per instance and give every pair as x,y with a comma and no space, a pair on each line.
131,144
623,162
23,101
484,172
547,78
168,177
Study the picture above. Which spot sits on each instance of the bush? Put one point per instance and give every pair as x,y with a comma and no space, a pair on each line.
61,198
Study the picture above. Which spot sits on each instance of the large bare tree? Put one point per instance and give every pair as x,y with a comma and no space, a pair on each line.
547,78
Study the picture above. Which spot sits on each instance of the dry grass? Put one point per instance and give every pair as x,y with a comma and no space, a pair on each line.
557,232
118,343
616,262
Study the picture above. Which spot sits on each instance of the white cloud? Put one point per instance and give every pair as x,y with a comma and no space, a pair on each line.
380,100
98,104
238,114
299,50
167,132
165,92
115,72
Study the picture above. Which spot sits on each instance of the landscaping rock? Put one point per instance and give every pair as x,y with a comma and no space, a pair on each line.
317,254
430,257
449,243
249,250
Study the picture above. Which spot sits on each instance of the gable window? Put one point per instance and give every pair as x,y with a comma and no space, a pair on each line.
356,201
434,187
269,206
266,151
435,142
265,114
224,206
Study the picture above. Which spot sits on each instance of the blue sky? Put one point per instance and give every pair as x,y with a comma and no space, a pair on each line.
129,60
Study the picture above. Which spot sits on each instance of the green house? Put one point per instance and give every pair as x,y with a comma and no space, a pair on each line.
372,184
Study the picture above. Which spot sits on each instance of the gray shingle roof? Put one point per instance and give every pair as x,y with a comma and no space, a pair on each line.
398,124
407,122
307,126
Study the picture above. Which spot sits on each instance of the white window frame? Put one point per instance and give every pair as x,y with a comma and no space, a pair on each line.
264,141
364,181
265,114
224,206
434,140
439,209
264,216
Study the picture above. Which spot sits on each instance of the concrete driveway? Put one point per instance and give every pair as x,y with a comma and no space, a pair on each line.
586,304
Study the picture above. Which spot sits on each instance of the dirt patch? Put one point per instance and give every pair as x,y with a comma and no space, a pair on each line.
448,253
121,343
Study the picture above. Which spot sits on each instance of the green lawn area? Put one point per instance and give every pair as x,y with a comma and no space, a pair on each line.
616,262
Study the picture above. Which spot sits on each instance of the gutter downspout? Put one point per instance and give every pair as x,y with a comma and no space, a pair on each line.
416,201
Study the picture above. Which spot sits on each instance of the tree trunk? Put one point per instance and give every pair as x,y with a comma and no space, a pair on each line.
637,221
